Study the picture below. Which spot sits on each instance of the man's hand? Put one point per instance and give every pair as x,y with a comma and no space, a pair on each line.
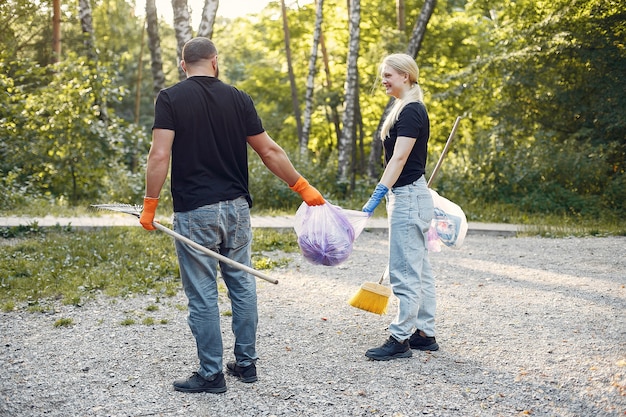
147,214
309,194
377,195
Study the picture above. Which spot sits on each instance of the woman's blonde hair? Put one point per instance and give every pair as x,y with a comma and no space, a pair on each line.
403,64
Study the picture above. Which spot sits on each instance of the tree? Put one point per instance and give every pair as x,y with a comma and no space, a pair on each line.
308,100
182,28
154,45
56,30
292,79
208,18
347,138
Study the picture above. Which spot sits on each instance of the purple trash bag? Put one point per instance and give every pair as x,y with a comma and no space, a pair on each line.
326,232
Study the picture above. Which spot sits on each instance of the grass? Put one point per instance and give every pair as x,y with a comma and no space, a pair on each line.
39,266
42,265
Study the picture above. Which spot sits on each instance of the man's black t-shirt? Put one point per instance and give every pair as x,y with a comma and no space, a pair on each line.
413,123
211,121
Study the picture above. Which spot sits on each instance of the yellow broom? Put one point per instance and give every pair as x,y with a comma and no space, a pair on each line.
372,296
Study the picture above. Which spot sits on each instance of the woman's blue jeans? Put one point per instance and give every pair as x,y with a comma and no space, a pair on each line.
225,228
410,211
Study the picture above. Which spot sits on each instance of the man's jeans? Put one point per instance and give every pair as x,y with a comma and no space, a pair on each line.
410,210
225,228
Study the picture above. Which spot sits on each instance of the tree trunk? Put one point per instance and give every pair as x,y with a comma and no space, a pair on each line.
86,24
308,98
400,16
182,28
209,12
56,31
292,79
347,140
154,44
415,43
334,113
419,30
139,77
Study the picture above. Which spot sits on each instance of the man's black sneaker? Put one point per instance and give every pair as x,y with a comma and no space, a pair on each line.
417,341
196,383
244,373
391,349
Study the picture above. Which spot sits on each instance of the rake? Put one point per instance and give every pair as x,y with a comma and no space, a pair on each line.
135,210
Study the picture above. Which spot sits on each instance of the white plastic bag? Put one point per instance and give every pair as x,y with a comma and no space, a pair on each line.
326,232
449,222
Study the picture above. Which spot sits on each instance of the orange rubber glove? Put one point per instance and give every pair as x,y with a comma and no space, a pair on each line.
309,194
147,214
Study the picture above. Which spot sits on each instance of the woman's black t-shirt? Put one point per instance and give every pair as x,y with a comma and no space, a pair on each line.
412,122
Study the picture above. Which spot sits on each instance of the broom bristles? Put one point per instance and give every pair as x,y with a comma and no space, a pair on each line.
371,297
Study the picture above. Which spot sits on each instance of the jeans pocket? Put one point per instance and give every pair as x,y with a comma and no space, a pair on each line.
240,228
203,226
426,210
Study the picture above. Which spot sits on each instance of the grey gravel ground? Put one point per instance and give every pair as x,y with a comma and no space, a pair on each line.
527,326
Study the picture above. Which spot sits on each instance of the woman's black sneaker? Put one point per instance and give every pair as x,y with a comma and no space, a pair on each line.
196,383
391,349
417,341
244,373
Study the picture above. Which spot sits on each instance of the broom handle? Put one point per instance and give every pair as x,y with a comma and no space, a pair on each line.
432,176
213,254
385,274
445,151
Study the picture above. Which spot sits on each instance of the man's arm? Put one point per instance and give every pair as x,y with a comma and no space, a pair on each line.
156,173
277,161
158,161
274,157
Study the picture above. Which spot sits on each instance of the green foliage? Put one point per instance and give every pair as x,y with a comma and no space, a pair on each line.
540,130
64,322
539,84
55,140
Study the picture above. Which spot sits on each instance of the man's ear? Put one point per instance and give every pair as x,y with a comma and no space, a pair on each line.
182,65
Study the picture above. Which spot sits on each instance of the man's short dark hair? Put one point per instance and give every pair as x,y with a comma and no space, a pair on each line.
198,49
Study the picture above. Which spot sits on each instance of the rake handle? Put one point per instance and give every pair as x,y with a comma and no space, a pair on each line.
213,254
445,151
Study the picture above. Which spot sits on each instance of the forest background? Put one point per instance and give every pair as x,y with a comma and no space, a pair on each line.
540,87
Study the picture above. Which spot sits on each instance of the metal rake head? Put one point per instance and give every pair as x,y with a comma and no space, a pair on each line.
133,209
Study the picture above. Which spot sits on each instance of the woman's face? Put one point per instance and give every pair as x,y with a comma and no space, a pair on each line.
395,83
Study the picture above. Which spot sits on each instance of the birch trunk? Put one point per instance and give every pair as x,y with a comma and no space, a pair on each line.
334,113
308,98
182,28
154,44
209,12
346,143
292,79
86,24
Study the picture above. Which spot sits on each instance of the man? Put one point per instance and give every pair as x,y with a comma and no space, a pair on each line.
204,126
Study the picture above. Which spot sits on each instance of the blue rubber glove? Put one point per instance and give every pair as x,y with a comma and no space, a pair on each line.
377,195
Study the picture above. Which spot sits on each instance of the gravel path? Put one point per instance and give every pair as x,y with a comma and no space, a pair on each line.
527,326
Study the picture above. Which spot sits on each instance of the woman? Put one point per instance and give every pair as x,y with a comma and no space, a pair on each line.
410,209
